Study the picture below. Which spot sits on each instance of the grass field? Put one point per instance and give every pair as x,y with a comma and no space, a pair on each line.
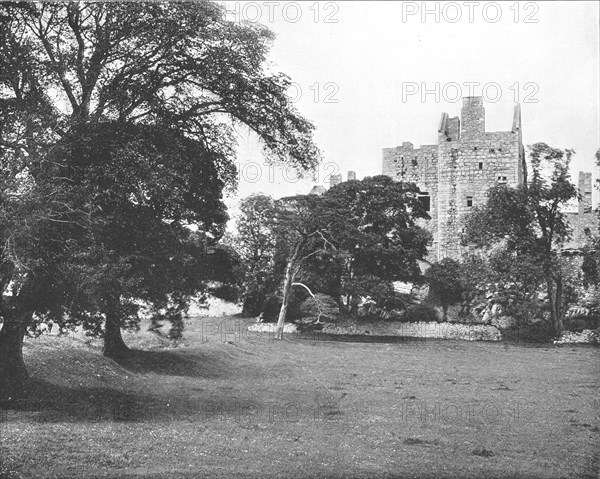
230,404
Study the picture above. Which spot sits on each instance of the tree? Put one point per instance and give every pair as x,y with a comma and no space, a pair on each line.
144,184
380,241
445,283
304,227
77,74
255,242
356,239
527,224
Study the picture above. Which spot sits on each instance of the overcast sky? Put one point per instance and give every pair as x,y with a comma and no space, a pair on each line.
361,69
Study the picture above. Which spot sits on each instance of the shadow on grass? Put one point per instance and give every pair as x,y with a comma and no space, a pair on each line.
83,385
171,363
42,401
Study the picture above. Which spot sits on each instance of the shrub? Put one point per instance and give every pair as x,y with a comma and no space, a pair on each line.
445,283
579,323
227,292
540,332
254,303
273,306
421,312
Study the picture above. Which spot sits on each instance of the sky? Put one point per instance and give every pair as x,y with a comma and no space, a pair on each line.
371,75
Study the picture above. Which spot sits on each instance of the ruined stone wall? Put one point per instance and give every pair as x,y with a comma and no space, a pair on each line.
468,167
459,170
584,222
467,161
420,166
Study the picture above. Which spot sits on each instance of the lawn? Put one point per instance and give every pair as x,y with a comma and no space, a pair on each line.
232,404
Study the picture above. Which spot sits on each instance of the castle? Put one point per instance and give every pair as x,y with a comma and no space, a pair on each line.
455,174
584,221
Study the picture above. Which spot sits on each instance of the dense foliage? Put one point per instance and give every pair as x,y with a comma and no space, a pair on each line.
446,283
522,230
353,241
117,128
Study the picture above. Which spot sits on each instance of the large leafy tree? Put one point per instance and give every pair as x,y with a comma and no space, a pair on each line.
109,114
525,226
355,240
380,242
143,184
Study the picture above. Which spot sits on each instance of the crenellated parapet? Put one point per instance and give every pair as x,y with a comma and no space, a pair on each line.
456,173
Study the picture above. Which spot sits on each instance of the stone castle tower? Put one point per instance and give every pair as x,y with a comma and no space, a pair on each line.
455,174
585,221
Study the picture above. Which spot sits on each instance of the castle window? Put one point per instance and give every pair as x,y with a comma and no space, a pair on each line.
414,162
502,180
469,201
425,200
481,165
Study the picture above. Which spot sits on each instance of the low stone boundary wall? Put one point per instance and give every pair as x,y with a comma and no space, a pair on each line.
272,328
432,330
587,336
465,332
425,330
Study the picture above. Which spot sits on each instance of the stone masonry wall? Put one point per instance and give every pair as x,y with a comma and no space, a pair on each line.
420,166
459,170
457,173
584,222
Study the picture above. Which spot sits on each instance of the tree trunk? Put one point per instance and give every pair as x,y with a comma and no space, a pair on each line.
13,372
555,314
348,305
114,346
290,274
560,309
287,288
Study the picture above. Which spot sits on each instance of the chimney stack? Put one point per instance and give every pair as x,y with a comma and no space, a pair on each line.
335,180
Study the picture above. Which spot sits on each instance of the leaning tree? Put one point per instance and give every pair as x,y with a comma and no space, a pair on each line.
360,236
109,112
